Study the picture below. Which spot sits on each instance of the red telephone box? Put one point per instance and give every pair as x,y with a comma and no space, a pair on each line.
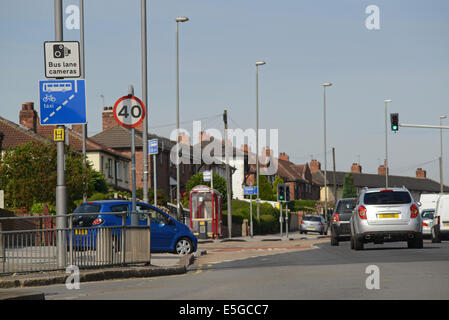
206,206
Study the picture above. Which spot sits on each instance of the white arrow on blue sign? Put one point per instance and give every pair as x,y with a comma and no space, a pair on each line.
62,102
153,146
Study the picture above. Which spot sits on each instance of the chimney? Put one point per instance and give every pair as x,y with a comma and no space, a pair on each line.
356,168
28,116
108,118
204,136
266,151
184,139
315,166
420,173
284,156
245,148
381,170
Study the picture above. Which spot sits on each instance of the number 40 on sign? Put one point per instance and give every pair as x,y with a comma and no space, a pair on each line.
129,111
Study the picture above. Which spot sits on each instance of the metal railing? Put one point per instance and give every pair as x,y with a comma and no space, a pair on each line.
36,249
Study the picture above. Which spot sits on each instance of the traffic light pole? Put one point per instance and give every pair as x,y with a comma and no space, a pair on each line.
280,217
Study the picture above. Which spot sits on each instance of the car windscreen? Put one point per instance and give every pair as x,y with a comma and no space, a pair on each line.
387,197
311,218
346,206
85,221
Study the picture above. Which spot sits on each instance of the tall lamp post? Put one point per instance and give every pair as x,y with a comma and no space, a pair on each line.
178,192
441,153
386,143
259,63
325,84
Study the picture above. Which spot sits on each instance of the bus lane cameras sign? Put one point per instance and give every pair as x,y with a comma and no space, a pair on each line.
62,59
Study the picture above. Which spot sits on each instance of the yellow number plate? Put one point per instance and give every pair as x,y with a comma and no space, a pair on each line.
446,224
389,216
81,232
311,228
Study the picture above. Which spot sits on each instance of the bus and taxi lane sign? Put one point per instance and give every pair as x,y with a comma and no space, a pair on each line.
62,102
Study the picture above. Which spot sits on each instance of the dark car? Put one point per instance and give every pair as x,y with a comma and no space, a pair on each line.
340,227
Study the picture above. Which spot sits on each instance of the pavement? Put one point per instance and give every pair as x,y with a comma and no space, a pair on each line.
209,251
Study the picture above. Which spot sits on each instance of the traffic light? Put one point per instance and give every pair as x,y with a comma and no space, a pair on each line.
280,192
287,192
283,192
394,117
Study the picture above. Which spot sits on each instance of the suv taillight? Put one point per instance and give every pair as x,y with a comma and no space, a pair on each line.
362,212
97,222
335,218
414,211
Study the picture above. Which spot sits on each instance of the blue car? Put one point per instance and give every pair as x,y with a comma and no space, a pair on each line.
167,234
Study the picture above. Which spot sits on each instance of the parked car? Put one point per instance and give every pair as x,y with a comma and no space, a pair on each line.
440,223
340,228
386,215
427,219
312,223
167,234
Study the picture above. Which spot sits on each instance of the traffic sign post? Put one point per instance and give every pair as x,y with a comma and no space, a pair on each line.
62,102
129,112
153,150
250,191
62,59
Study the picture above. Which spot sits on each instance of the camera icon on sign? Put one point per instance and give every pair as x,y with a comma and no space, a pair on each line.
59,51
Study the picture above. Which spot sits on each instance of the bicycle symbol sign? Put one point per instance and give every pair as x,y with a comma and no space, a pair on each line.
129,111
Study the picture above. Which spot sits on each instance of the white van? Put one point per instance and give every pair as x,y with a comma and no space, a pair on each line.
428,204
440,225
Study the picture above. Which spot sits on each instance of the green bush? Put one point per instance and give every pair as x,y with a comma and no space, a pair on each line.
302,205
38,208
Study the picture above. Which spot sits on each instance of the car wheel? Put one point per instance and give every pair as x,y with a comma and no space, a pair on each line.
183,246
435,236
415,244
334,240
352,242
358,244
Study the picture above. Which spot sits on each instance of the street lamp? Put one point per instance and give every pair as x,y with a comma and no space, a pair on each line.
386,101
258,63
325,84
441,153
178,192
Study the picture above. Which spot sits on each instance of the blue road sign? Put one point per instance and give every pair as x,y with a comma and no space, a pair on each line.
247,191
62,102
153,146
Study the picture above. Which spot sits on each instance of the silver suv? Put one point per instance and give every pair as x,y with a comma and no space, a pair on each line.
386,215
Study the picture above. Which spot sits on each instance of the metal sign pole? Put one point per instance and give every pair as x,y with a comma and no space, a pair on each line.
61,191
251,213
280,216
286,219
155,179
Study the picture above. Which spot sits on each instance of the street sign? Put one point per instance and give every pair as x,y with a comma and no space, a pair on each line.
249,190
207,176
62,102
129,111
58,135
153,146
62,59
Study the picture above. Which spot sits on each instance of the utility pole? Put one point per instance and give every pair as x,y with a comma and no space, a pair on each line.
145,99
335,179
83,76
61,190
228,173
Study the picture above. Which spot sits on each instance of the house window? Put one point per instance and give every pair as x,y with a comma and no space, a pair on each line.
110,168
101,164
126,172
119,176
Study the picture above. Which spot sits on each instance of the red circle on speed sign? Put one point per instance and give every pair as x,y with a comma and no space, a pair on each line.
129,111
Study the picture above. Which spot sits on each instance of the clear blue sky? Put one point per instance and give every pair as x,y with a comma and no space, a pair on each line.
304,44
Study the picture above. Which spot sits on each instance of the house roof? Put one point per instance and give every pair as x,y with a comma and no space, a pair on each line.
375,180
15,134
76,142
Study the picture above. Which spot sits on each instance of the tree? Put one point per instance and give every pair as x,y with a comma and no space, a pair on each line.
277,181
265,190
28,175
349,190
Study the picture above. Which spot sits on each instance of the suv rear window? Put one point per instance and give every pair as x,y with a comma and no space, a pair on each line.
85,221
387,197
346,206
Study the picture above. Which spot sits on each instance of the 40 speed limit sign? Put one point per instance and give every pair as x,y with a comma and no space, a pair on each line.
129,111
